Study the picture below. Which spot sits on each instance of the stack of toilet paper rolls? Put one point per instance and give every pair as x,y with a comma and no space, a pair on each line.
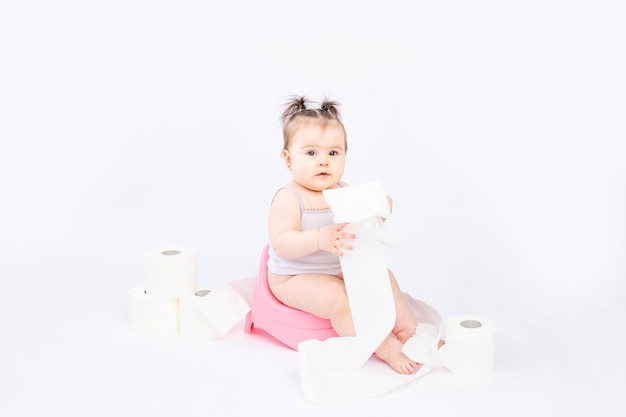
171,303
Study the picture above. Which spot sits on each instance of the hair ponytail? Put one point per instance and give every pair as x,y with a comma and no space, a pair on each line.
294,106
329,109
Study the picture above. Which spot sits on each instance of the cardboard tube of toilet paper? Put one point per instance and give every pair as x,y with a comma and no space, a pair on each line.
219,308
470,345
172,272
152,315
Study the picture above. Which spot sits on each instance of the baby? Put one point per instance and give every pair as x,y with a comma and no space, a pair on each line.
305,244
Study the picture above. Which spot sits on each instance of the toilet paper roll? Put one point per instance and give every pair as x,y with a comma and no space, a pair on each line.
470,348
172,272
152,315
211,313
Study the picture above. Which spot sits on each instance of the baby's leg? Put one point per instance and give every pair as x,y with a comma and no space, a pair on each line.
406,324
405,321
319,294
391,348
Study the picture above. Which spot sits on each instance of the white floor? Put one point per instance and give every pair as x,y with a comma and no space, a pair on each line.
67,351
497,128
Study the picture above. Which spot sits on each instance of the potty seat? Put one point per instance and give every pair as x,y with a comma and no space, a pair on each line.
288,325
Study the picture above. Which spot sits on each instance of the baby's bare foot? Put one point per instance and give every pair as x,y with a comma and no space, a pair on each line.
390,352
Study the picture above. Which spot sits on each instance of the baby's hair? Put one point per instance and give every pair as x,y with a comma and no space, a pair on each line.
296,112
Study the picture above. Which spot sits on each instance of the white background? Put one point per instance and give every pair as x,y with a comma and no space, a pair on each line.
497,127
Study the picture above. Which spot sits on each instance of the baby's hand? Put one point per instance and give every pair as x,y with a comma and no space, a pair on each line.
331,239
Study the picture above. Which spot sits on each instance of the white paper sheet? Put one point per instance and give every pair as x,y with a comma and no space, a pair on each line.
358,202
222,308
210,313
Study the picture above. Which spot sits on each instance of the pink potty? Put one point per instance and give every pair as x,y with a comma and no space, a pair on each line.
288,325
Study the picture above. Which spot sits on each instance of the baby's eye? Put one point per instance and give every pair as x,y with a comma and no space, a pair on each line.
311,153
333,153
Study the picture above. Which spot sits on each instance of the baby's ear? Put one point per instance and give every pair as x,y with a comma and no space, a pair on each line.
287,158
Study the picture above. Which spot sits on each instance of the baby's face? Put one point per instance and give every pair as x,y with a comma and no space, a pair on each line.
317,156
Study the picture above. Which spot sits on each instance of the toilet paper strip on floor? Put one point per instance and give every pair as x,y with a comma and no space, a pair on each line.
343,368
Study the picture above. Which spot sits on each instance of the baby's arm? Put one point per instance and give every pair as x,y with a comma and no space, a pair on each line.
287,238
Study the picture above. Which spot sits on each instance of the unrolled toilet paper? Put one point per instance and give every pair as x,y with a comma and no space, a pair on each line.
211,313
342,368
172,272
365,273
322,384
152,315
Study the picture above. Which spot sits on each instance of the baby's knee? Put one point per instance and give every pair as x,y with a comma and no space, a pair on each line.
339,303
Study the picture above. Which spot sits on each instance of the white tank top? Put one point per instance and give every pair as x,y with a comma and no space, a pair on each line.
320,262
